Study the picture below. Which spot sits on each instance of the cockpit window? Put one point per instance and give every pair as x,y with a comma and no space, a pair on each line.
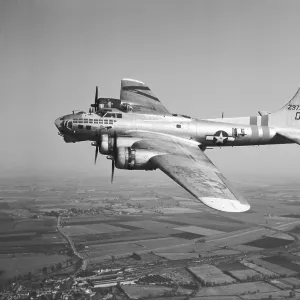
69,125
119,115
110,115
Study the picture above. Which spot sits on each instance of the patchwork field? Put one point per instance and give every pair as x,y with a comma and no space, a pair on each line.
284,262
278,295
150,227
140,291
259,269
208,274
237,289
269,242
243,275
291,281
91,229
199,230
21,264
179,256
275,268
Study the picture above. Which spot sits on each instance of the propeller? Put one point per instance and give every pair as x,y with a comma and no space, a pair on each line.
113,158
97,144
96,96
112,170
96,152
95,105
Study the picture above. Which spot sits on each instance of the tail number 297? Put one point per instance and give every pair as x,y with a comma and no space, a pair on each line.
293,107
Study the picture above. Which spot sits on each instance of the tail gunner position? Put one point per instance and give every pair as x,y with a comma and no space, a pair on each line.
136,132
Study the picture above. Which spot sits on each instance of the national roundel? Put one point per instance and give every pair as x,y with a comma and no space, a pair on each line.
220,137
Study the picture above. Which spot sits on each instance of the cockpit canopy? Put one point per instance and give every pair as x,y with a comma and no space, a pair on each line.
112,115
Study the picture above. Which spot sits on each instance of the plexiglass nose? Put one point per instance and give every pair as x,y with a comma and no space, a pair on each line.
59,123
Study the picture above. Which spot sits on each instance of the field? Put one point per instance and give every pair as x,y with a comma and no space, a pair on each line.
21,264
232,266
208,274
275,268
179,256
280,284
216,298
278,295
283,262
260,270
29,239
199,230
243,275
237,289
165,228
291,281
141,291
91,229
269,242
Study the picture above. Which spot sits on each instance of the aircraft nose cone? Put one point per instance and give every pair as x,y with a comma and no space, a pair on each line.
58,123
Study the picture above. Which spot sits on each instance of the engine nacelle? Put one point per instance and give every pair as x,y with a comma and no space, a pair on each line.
133,159
109,143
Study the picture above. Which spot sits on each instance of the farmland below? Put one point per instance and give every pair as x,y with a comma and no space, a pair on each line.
94,232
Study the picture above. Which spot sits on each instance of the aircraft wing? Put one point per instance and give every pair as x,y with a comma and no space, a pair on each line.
141,98
187,165
291,135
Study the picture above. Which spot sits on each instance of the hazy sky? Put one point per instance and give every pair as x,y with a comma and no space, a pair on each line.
199,57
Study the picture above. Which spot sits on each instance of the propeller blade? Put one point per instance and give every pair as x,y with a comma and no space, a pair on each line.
96,95
96,99
96,153
112,170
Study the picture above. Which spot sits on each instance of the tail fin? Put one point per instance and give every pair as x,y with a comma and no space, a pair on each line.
287,116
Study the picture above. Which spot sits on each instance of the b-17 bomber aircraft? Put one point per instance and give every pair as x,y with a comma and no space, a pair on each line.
136,132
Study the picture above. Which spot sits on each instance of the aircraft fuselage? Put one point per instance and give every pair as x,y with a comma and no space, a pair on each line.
210,133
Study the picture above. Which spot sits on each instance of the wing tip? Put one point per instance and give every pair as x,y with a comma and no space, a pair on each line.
132,80
227,205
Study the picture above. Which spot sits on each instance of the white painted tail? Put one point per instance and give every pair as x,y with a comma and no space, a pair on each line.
287,116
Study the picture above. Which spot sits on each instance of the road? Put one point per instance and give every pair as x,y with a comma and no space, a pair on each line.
287,224
71,243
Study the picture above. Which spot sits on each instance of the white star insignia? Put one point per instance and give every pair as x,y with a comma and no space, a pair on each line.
220,139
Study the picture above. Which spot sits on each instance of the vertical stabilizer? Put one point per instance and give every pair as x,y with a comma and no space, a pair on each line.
288,115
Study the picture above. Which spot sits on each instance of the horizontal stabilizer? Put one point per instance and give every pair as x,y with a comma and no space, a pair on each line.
291,135
263,113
